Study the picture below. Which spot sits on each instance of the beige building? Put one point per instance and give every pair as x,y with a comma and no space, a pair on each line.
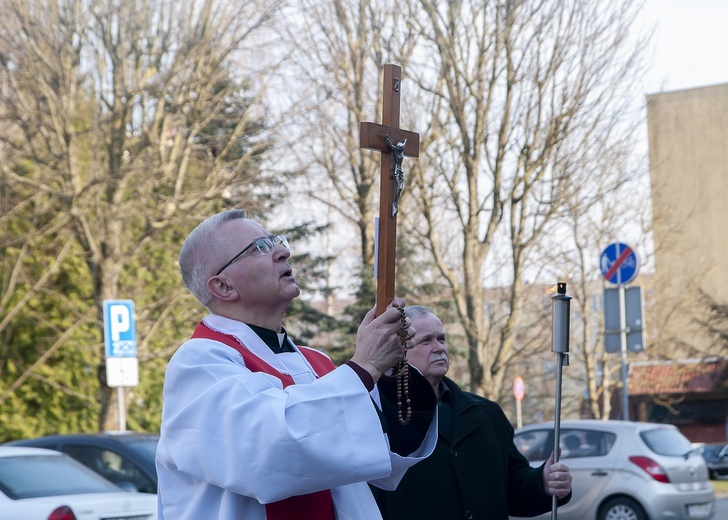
688,153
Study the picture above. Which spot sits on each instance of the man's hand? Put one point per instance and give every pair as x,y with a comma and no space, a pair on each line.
556,478
378,344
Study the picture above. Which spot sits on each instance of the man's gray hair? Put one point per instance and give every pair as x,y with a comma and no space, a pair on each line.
198,252
417,311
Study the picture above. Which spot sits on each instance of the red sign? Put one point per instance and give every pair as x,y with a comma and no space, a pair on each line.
519,388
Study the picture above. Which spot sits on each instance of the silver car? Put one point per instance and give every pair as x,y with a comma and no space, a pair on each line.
624,470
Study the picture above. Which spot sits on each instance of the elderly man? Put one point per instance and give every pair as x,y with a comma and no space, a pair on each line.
476,470
257,428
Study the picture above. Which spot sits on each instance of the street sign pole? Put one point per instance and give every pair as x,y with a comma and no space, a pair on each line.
519,390
122,408
619,265
122,366
623,336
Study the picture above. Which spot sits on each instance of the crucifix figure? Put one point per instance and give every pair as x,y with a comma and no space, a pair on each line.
398,153
374,136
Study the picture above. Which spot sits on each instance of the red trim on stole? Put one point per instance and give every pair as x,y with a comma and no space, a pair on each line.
318,505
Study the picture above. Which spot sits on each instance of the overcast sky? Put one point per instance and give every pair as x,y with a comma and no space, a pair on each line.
691,43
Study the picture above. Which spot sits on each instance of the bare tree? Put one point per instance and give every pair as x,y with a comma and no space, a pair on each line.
341,48
527,93
597,216
121,119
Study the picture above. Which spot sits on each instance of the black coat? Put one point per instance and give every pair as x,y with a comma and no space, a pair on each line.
475,472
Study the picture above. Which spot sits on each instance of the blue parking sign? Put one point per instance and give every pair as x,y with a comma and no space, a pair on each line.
119,328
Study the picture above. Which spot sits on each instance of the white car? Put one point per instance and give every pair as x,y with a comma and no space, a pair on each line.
40,484
624,470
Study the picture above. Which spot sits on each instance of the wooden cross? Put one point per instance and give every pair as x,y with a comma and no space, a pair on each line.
374,137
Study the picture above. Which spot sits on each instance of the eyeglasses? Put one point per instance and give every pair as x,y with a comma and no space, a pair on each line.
265,245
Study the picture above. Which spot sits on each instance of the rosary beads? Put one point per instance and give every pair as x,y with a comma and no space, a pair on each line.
402,372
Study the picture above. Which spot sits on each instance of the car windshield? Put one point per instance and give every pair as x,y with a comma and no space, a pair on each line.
711,451
29,476
146,446
666,441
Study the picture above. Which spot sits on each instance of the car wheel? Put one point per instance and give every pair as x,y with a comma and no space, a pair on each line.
621,508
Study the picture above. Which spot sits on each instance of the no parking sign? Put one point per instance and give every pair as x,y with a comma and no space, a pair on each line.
619,263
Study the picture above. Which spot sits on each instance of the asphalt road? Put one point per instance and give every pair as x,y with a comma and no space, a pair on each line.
721,507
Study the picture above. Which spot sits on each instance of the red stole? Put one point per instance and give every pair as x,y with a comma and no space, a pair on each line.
318,505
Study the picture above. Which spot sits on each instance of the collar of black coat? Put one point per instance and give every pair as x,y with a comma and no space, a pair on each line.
462,399
444,391
278,343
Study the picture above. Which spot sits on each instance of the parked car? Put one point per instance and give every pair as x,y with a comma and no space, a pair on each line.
124,458
40,484
626,470
716,458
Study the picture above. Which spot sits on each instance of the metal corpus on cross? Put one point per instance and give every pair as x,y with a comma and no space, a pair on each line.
394,143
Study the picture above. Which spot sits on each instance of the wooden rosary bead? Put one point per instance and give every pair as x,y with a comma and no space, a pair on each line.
402,372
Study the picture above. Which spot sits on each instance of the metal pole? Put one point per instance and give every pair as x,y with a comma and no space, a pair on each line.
122,408
560,345
623,337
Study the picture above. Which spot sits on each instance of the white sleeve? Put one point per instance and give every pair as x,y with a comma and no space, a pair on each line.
241,431
399,463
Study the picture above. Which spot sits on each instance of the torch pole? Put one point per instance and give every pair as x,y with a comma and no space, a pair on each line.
560,345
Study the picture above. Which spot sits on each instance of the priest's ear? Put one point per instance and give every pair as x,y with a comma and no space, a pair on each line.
221,289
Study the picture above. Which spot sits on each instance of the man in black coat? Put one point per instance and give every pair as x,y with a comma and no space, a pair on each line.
475,472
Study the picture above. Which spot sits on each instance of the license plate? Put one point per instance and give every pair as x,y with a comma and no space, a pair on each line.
698,510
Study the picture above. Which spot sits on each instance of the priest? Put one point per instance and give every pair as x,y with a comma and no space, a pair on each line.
255,427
